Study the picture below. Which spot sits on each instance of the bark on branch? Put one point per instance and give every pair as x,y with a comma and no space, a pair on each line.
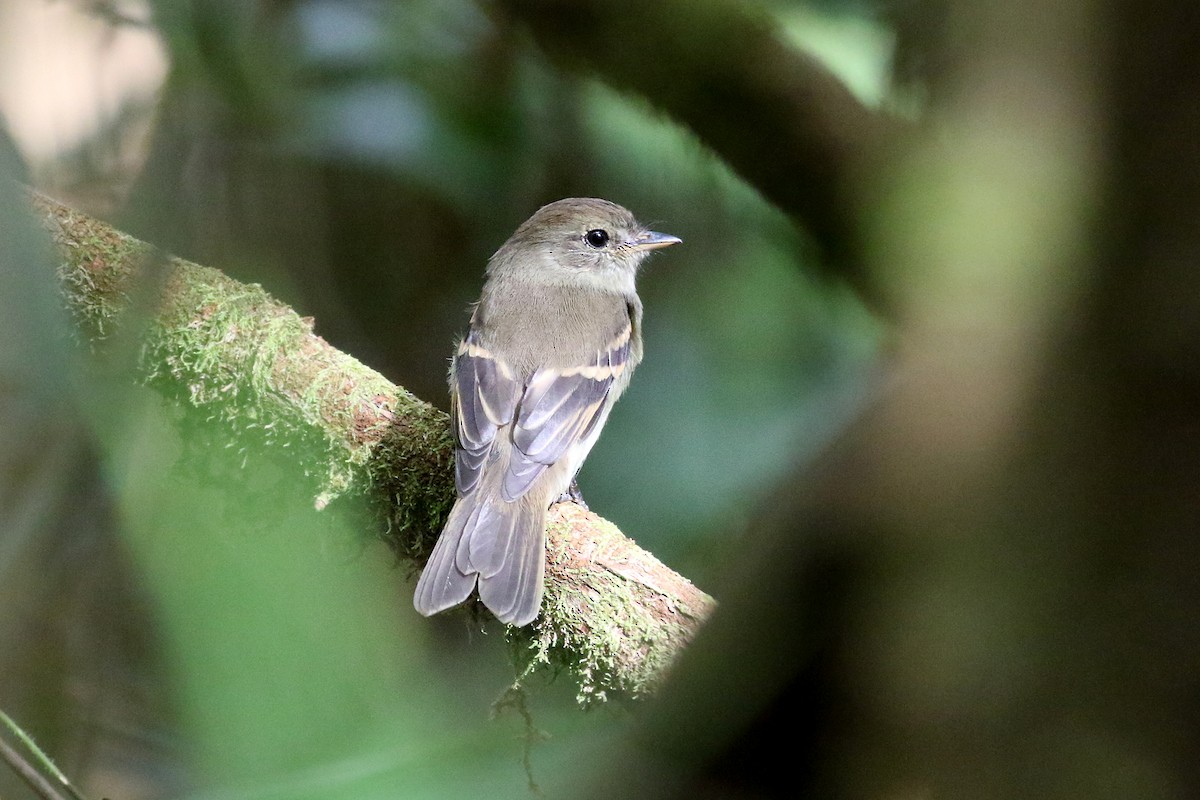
613,614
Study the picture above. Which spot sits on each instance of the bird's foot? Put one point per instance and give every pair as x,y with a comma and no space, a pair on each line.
573,495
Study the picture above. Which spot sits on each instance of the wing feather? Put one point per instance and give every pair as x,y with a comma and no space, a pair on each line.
559,407
484,395
513,430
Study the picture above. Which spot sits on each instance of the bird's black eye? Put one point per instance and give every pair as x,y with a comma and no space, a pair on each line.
597,238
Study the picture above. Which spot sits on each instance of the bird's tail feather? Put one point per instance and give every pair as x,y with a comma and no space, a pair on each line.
502,545
442,585
513,590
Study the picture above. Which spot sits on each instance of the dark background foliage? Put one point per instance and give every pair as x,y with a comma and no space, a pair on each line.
919,404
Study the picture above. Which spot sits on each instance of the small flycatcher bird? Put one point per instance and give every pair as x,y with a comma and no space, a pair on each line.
552,343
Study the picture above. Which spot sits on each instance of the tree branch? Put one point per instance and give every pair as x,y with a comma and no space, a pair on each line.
613,613
724,71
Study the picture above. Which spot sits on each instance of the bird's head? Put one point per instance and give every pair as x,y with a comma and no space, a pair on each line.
580,241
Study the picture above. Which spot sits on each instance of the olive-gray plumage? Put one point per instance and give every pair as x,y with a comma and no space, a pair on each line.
553,341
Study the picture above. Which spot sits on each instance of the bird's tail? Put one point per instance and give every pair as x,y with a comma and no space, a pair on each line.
501,545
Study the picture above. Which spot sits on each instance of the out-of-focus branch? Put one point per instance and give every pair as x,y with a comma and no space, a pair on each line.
986,586
613,614
774,114
32,765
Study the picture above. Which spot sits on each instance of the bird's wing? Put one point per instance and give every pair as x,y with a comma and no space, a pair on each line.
484,395
559,407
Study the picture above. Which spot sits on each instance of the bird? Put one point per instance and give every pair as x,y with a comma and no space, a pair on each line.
552,343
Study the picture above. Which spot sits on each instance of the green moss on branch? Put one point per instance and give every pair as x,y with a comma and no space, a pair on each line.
614,615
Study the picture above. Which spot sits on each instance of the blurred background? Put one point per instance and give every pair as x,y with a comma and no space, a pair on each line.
918,402
362,160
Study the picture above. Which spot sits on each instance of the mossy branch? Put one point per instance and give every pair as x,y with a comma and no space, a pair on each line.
613,614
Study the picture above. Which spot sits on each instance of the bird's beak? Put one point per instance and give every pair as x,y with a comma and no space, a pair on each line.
652,240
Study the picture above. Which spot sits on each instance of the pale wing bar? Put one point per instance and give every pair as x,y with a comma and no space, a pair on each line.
558,408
